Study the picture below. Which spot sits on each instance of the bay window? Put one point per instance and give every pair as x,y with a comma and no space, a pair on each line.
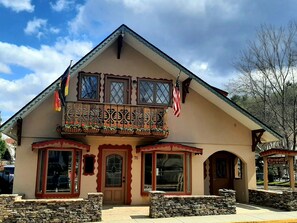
166,171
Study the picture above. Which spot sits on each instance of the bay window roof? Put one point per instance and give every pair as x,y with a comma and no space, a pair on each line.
60,143
169,146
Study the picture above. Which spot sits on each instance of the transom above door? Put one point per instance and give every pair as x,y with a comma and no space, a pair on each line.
117,90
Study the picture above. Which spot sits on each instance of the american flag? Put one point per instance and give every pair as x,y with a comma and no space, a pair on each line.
176,99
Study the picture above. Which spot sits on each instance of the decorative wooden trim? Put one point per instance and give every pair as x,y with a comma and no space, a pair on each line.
60,144
185,88
126,148
120,45
256,138
275,151
172,147
19,131
84,162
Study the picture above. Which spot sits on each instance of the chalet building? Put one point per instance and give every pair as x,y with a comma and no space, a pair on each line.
117,132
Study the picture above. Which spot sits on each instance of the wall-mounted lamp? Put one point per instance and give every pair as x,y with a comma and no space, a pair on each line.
134,82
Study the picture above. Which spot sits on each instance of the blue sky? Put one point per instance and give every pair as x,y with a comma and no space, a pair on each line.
38,38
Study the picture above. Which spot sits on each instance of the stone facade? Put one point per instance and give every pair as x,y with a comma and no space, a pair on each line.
16,209
164,206
285,200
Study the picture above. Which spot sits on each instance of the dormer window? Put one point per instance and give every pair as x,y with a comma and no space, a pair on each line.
88,86
154,92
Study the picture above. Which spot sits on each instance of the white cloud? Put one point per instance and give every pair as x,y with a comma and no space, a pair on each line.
46,65
4,68
39,28
18,5
34,26
61,5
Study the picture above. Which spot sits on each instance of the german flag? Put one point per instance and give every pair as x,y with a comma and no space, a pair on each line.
65,79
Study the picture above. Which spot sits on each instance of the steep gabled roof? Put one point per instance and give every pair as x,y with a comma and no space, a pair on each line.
168,64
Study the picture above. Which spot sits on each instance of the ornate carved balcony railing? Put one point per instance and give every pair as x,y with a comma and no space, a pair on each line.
109,119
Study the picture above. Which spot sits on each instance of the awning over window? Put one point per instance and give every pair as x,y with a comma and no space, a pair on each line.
169,147
60,143
272,152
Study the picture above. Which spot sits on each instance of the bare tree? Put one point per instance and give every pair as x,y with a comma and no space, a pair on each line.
268,78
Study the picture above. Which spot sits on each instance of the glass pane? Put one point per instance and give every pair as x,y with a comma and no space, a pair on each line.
113,176
170,172
117,92
77,172
59,170
146,90
148,164
162,96
89,87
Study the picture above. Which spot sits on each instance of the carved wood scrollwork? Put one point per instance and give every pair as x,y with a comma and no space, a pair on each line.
256,138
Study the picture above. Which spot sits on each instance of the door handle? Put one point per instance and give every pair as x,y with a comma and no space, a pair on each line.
124,180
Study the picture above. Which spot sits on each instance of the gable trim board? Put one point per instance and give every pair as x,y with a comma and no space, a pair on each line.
162,60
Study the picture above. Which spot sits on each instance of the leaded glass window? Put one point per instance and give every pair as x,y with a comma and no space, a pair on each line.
155,92
113,176
117,93
89,87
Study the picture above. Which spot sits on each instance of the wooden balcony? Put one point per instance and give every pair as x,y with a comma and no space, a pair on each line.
110,119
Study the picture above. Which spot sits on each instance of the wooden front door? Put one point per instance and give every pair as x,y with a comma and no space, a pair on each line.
221,172
114,176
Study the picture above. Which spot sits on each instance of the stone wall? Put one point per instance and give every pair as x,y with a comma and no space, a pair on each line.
16,209
164,206
285,200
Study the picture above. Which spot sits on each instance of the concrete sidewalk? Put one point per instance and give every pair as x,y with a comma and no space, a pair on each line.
245,213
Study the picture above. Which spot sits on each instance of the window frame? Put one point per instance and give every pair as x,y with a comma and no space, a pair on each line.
187,170
128,88
80,76
43,155
155,81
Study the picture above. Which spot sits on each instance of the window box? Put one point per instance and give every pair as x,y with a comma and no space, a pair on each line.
125,131
160,132
143,132
90,129
108,130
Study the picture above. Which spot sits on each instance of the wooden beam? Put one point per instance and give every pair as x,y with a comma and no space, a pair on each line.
120,44
291,172
256,138
265,173
185,88
19,131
